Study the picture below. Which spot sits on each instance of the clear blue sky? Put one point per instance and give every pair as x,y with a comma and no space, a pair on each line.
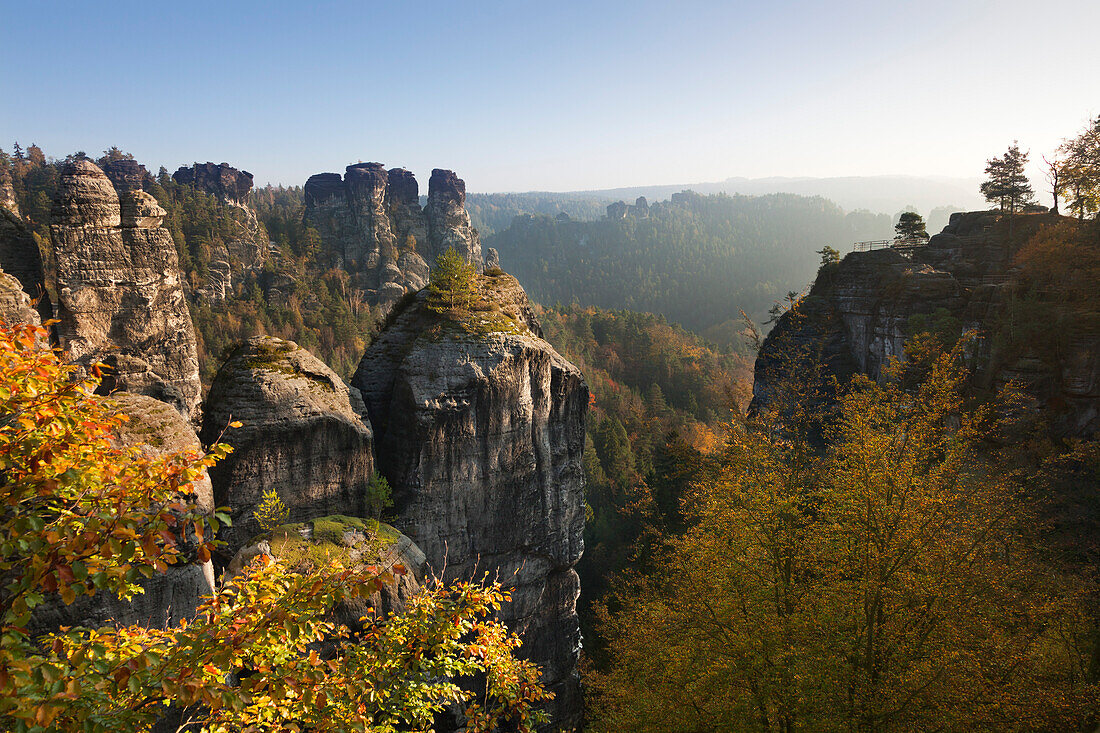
552,95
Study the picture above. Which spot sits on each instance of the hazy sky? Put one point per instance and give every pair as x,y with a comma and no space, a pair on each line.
552,95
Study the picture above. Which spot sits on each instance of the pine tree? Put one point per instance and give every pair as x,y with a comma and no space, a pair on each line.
910,226
1008,185
453,282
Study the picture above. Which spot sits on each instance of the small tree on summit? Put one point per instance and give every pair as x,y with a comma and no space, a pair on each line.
910,226
1007,185
453,282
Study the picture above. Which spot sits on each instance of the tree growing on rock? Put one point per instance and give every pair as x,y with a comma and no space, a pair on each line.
271,512
1008,186
80,516
452,283
911,226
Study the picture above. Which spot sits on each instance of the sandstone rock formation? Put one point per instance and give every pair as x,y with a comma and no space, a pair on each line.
21,259
481,435
127,175
305,434
622,210
248,249
224,181
860,312
356,543
492,259
372,225
120,300
171,596
7,193
448,221
15,305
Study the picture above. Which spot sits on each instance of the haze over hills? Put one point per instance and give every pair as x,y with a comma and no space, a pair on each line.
934,197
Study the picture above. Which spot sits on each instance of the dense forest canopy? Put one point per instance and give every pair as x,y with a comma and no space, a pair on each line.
697,260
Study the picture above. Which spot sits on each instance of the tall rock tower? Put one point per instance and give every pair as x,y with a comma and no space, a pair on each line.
371,224
120,299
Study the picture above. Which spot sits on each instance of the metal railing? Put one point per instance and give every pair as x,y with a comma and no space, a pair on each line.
903,245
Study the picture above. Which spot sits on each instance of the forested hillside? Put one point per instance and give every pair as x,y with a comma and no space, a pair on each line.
661,399
697,260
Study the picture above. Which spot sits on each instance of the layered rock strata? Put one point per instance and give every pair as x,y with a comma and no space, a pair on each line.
481,435
21,259
305,434
169,597
119,295
859,313
372,225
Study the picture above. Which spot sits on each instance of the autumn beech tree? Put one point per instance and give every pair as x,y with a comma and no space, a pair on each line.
889,582
81,516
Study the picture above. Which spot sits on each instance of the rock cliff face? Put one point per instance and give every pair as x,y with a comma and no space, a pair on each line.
7,193
171,596
15,305
224,181
120,300
21,258
371,224
128,175
860,312
481,437
248,249
305,434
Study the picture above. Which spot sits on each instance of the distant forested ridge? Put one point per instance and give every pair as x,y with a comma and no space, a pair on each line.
492,212
695,259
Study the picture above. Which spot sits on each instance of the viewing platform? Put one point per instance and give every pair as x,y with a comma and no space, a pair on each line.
904,246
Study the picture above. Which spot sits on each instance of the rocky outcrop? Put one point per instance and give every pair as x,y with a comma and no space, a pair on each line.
15,305
304,434
120,300
859,313
356,544
480,432
127,175
622,210
448,222
21,259
222,180
171,596
247,249
7,192
492,260
371,224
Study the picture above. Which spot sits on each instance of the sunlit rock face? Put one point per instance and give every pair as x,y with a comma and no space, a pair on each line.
120,298
304,434
860,312
371,224
482,438
7,193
